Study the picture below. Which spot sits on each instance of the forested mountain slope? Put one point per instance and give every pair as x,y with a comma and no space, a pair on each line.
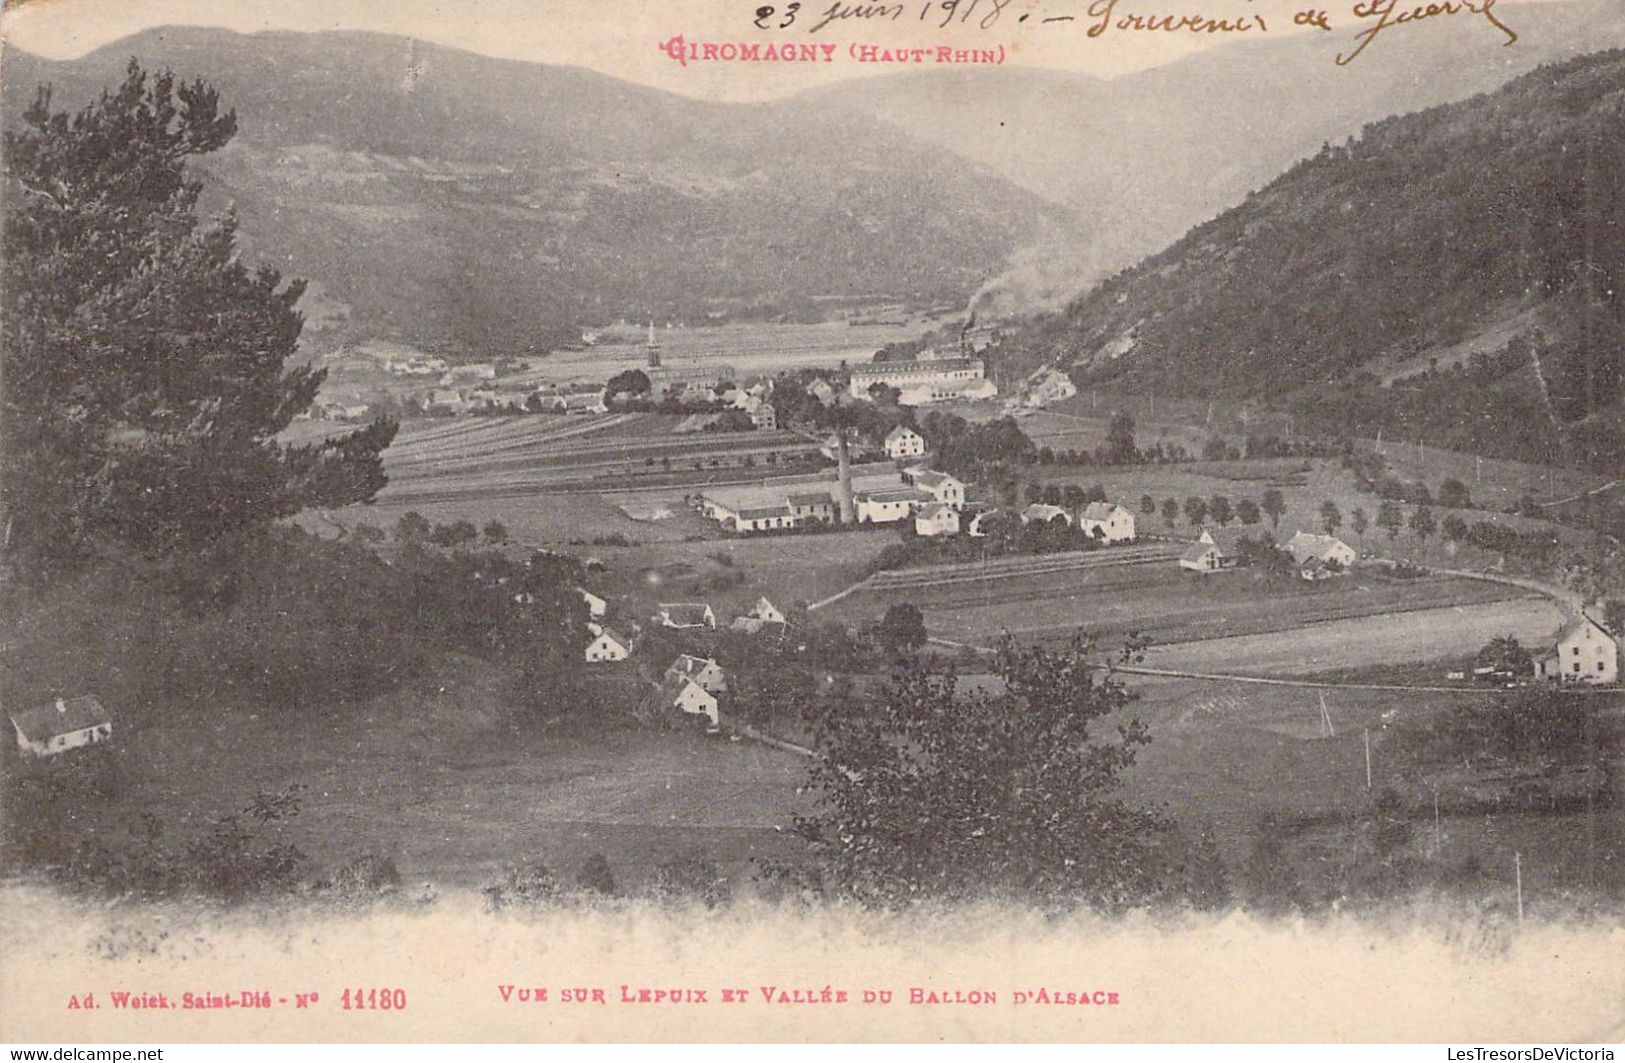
1456,273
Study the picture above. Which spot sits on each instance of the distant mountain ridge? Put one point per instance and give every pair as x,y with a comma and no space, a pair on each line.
1457,274
464,203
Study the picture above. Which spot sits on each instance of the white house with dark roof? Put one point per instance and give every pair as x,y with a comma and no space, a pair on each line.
1107,521
1205,555
608,645
1307,548
704,671
762,518
763,616
684,694
67,723
904,442
766,610
887,505
936,519
1582,652
808,507
1043,513
949,490
763,416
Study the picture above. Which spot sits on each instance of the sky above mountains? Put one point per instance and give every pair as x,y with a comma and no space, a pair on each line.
622,38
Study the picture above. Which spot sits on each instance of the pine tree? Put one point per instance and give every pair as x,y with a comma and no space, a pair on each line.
147,370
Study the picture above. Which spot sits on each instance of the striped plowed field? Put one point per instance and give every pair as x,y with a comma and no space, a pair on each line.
1010,567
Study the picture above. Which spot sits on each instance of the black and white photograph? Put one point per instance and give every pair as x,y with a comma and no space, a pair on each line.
710,521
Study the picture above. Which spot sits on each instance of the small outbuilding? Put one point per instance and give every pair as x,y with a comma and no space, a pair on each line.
67,723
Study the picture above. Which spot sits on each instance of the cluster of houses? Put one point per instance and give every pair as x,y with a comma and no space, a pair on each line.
1317,556
752,401
581,398
691,685
1106,521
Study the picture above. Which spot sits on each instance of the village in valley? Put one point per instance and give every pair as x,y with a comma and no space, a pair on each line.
643,612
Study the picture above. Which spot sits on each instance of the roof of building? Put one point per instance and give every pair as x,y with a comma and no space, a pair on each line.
1574,626
1198,551
895,494
613,636
811,498
935,365
1101,510
931,478
1042,511
900,431
63,716
935,510
674,686
688,664
686,612
1314,544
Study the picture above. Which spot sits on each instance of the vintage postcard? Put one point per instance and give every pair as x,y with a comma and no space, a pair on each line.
720,520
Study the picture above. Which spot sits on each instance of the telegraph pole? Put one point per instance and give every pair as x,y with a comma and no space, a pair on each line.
1368,758
1517,870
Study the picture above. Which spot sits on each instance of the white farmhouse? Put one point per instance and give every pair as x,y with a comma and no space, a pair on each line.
766,610
948,490
685,695
888,505
704,671
904,442
68,723
1583,652
936,518
763,616
1322,549
1204,556
1107,521
1043,513
608,646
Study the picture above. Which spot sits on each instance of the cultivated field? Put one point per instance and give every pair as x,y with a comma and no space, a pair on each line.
556,479
1255,623
1385,638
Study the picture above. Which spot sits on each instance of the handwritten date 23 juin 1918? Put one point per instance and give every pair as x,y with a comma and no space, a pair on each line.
1100,17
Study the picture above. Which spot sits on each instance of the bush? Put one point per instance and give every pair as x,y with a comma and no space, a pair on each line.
595,876
527,886
365,878
690,877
